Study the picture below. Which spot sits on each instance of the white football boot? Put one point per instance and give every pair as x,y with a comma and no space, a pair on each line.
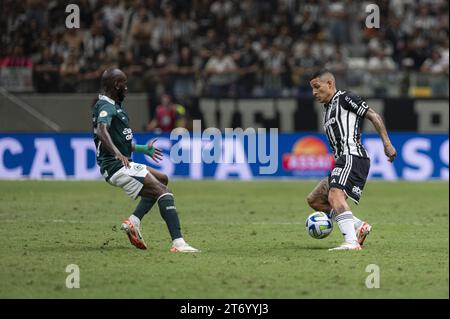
180,246
347,246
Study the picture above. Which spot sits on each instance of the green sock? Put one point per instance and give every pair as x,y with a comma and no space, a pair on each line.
144,207
169,214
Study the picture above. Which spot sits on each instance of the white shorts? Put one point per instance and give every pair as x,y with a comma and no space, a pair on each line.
130,179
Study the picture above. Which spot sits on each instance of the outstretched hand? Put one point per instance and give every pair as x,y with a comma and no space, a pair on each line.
157,153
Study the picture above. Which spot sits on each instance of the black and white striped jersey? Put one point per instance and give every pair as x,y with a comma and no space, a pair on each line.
342,121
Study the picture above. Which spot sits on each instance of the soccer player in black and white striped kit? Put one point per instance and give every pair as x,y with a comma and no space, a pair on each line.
342,121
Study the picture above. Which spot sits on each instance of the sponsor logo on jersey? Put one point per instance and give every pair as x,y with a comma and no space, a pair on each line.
350,101
103,114
128,133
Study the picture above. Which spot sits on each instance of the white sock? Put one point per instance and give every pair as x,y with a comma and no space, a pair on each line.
358,222
346,223
179,242
134,220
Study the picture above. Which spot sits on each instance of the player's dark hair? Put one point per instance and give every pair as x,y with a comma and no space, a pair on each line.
319,73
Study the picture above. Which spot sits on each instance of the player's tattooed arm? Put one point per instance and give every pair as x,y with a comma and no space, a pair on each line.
105,138
378,123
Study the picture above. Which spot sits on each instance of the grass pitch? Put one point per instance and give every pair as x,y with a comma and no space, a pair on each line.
252,237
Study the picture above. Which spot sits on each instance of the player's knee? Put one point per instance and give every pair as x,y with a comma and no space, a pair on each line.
166,190
164,179
160,191
312,201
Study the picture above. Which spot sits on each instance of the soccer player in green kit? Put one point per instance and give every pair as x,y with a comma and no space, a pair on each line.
113,141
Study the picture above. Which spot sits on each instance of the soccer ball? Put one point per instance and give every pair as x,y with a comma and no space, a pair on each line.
319,225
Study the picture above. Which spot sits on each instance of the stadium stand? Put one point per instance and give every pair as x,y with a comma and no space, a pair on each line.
229,48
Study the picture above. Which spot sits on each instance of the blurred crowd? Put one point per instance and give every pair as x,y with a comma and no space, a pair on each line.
215,48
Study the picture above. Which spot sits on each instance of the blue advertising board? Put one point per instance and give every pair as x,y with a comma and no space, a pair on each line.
297,155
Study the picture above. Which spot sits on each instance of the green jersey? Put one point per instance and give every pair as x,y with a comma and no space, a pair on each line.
115,116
